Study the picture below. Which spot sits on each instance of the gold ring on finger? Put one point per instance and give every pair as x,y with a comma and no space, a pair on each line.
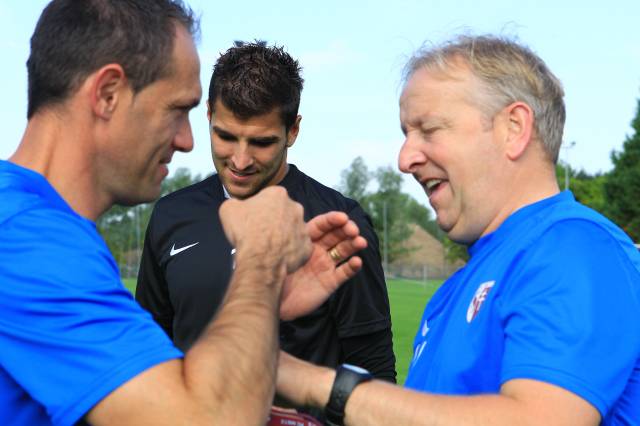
335,255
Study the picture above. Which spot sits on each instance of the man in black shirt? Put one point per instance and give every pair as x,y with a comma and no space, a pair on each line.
187,262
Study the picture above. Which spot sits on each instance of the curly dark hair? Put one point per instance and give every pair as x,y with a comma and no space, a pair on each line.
252,79
74,38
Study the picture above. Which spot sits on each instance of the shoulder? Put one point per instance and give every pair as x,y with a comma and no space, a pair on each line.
209,188
580,255
43,241
196,200
317,196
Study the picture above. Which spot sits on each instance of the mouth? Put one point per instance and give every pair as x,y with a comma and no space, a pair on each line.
433,185
241,176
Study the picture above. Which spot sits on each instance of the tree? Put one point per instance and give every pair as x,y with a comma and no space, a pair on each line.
622,188
588,189
355,179
123,228
387,207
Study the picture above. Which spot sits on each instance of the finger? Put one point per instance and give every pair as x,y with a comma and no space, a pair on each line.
348,248
347,232
347,270
326,222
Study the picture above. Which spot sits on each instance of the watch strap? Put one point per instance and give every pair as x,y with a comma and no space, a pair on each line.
347,378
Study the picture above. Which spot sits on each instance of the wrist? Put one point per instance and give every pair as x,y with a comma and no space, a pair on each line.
319,390
268,268
347,378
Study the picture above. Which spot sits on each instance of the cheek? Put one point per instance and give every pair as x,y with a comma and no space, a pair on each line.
271,157
220,149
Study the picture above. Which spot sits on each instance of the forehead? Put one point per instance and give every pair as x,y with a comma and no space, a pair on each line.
182,85
258,125
428,92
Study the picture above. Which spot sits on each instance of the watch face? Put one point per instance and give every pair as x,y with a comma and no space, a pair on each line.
355,369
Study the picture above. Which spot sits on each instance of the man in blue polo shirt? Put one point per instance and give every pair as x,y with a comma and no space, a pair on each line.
111,83
541,326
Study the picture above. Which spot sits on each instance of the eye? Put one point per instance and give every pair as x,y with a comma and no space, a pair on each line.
428,131
264,142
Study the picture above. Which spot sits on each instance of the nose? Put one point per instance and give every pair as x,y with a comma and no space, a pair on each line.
242,157
411,157
183,140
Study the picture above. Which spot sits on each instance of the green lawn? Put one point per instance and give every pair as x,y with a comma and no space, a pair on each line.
408,299
130,284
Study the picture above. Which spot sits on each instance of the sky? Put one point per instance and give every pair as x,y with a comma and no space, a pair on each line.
353,53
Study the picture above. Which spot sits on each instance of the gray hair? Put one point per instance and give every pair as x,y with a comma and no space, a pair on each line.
508,72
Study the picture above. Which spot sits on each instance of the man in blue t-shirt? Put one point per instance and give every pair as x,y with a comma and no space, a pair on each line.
541,326
111,83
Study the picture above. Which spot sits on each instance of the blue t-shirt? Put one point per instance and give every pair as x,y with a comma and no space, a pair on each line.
70,333
552,295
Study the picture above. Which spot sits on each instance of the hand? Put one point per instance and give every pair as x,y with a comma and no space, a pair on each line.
268,228
308,287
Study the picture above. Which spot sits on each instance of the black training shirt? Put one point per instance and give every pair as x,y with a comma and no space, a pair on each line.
187,264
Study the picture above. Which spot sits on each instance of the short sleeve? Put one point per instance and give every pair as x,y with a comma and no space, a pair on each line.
70,332
570,315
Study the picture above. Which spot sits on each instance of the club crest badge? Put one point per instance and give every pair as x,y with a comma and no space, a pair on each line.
478,299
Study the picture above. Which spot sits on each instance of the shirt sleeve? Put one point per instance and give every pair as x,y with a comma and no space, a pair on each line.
152,291
570,316
361,310
70,332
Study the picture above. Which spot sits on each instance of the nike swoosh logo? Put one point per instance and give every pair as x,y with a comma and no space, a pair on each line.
175,251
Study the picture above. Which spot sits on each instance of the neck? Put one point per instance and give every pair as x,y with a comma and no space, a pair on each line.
61,151
528,186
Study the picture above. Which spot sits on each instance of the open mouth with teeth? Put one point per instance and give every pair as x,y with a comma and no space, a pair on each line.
432,185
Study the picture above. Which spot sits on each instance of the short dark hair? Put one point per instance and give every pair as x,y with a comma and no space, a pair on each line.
252,79
74,38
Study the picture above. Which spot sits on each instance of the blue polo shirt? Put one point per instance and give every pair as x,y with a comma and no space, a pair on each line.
552,295
70,333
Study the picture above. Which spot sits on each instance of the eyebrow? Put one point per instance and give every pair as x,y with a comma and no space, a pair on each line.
266,140
260,140
223,133
189,105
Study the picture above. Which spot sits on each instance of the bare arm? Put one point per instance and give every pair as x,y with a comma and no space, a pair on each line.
229,374
378,403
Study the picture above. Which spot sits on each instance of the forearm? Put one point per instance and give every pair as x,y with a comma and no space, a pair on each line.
523,402
231,368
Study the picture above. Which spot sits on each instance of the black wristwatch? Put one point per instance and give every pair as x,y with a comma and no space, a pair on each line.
347,378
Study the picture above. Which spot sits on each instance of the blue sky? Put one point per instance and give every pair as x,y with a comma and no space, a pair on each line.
353,53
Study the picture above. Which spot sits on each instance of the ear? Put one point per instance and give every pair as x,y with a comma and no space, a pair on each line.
519,120
208,111
292,134
109,86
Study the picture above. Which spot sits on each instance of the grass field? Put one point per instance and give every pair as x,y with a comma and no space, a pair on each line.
408,299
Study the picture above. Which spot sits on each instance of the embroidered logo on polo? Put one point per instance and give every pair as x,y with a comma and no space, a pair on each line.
478,299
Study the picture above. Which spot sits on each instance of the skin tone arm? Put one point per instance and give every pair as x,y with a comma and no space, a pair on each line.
229,374
521,401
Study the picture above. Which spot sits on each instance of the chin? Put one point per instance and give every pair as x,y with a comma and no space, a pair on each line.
140,197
